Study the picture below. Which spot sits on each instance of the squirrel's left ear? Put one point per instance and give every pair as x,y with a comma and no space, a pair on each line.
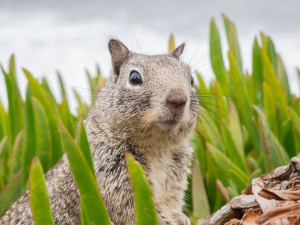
178,51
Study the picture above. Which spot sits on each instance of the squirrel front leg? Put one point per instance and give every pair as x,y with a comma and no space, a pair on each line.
168,182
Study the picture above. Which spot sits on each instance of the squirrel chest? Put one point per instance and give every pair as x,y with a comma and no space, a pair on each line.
166,173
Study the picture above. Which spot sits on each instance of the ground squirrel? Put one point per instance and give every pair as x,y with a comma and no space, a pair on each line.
148,107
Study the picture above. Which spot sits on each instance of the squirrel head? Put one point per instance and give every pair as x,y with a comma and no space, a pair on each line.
148,98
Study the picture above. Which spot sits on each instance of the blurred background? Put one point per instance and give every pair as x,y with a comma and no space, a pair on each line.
71,35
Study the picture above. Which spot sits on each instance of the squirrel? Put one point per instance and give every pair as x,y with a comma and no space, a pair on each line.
149,108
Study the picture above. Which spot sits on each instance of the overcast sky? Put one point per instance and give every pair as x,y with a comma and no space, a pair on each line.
70,36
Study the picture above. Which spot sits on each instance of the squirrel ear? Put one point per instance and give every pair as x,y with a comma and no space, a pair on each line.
178,51
119,53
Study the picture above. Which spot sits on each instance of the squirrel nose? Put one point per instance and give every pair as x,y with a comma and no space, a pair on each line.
176,100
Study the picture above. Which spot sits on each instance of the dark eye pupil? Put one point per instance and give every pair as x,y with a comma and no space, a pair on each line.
192,80
135,78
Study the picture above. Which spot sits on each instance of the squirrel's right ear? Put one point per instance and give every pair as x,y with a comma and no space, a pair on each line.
119,53
178,51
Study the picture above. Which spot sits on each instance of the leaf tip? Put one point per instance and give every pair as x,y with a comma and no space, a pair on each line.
127,155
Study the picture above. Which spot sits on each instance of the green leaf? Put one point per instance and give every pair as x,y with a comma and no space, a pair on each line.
274,153
270,108
217,58
82,109
3,121
220,103
84,145
228,167
143,200
200,200
283,77
83,217
234,154
39,199
93,204
242,100
8,193
257,72
232,40
43,139
295,118
4,157
202,87
40,94
269,48
30,140
171,43
15,104
15,160
45,85
272,80
66,115
235,127
95,84
296,124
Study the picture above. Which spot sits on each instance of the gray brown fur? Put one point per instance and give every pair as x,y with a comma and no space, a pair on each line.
129,118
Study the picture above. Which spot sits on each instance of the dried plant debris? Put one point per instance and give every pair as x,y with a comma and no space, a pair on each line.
272,199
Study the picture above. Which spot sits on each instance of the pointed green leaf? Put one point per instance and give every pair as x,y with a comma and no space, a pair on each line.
8,193
143,200
94,207
30,140
43,139
4,157
40,94
200,200
15,104
283,77
270,108
217,58
95,83
274,153
272,80
15,159
234,154
232,40
171,43
84,145
242,100
227,166
257,72
235,127
3,121
39,199
66,115
82,108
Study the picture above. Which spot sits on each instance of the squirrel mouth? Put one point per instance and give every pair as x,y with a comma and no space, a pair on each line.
167,125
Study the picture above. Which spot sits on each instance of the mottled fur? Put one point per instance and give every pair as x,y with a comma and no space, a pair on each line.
128,118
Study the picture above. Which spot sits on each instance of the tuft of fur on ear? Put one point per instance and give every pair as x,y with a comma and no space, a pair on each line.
119,53
178,51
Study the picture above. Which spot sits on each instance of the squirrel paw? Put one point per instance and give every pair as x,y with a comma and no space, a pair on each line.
182,219
178,219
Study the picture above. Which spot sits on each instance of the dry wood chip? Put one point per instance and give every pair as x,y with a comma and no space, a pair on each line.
243,202
250,217
280,212
233,222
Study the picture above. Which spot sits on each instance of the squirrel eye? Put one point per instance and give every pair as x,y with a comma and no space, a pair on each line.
192,80
135,78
